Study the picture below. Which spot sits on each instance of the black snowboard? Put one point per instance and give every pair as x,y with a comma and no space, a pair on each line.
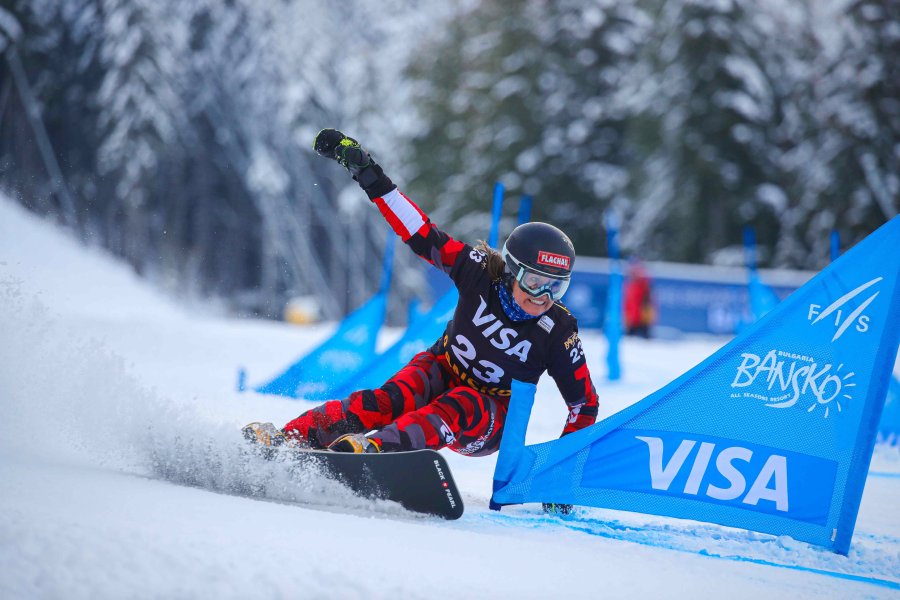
419,481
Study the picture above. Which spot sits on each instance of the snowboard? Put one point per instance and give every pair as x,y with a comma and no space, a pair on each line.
418,480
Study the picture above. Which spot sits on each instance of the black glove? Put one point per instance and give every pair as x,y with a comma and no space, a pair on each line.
333,144
557,509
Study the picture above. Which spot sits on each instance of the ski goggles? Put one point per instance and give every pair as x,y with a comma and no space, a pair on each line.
537,284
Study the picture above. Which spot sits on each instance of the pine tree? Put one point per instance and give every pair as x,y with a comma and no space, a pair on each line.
61,58
879,152
704,132
845,168
525,94
190,124
592,55
141,113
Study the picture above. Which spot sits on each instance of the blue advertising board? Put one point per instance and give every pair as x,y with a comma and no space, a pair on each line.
687,298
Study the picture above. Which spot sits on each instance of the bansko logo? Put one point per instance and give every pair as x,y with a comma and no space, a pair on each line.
856,318
782,379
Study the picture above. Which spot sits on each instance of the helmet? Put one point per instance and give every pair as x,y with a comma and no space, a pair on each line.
540,257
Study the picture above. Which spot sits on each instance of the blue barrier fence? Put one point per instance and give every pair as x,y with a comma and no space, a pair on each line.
688,298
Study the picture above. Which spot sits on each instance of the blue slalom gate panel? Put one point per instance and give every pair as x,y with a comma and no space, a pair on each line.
423,331
348,350
772,433
762,298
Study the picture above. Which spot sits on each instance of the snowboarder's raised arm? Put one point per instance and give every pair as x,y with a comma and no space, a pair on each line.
420,234
405,218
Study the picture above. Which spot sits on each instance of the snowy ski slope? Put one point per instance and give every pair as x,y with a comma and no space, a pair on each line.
123,476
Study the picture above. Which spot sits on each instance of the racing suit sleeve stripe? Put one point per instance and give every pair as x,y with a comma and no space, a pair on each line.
422,236
404,217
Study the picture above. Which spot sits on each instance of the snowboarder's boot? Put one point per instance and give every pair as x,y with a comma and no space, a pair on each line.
356,443
263,434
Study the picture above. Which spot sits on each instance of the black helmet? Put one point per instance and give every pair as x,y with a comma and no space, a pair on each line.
542,252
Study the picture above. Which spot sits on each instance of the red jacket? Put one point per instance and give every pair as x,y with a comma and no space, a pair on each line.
637,301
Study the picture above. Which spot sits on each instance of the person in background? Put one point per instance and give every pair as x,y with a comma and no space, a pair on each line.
638,302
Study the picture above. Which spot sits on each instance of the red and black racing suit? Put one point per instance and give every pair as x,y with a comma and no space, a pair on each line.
456,393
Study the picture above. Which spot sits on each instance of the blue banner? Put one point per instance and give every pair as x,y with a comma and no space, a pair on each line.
692,304
715,470
772,433
762,298
423,331
347,351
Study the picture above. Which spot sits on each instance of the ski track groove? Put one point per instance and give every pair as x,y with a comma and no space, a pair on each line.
884,475
640,534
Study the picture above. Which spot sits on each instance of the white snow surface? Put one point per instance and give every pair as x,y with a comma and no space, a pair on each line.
123,475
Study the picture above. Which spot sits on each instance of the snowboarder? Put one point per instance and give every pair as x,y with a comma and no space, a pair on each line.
508,324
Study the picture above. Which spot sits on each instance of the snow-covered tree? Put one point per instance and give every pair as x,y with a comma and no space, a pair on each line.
184,127
141,112
61,51
704,132
845,163
878,56
524,93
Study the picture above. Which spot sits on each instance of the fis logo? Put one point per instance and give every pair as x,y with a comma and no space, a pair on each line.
837,312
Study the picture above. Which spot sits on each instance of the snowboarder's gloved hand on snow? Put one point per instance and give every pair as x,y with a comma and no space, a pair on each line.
333,144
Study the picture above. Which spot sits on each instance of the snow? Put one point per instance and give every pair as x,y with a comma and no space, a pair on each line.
124,477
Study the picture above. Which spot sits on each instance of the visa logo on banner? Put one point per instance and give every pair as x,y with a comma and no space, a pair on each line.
716,470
